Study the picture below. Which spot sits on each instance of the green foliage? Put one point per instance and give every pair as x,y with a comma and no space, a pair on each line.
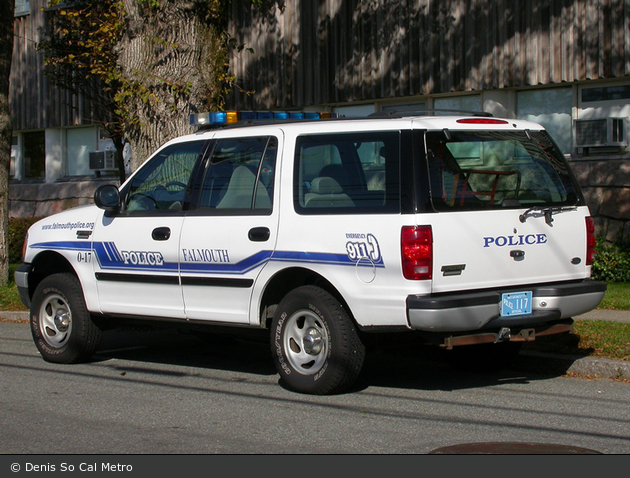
18,226
612,262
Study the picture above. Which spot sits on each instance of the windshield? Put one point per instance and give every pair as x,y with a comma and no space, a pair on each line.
497,169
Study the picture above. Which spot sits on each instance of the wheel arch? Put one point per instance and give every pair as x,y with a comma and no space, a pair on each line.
288,279
45,264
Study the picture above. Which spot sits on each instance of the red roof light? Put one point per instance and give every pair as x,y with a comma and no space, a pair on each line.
481,121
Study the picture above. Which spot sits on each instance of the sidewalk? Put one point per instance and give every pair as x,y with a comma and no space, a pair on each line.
606,314
588,366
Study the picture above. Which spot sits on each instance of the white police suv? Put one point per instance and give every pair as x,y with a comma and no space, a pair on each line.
467,230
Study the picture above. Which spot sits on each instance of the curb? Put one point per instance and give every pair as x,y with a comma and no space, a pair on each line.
528,360
14,316
583,366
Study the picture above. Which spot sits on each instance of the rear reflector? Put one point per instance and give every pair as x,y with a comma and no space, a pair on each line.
416,245
591,240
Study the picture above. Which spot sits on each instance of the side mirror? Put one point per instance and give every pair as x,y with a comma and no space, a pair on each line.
107,197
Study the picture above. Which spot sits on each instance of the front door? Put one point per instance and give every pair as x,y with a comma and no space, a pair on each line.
137,249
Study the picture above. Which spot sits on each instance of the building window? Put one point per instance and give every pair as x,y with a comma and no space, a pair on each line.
550,108
22,7
470,103
355,111
79,143
34,150
606,93
406,107
15,144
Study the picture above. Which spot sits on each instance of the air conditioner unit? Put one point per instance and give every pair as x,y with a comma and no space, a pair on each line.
103,160
601,132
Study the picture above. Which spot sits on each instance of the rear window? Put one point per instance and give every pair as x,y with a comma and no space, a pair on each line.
495,169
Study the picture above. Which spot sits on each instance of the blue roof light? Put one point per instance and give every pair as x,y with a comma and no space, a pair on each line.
219,118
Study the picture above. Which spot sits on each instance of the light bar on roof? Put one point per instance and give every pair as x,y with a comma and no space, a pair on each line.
221,118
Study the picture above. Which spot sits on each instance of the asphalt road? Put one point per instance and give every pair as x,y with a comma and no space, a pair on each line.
165,392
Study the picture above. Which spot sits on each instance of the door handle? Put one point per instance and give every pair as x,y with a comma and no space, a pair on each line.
161,234
259,234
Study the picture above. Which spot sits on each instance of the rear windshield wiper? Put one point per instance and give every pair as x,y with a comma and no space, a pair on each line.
547,211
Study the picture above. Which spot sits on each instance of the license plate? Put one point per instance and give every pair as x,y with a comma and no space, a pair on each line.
516,303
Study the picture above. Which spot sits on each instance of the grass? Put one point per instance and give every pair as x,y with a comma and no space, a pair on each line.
9,297
597,338
593,337
617,297
604,339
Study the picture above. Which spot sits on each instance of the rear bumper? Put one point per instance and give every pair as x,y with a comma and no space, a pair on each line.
480,311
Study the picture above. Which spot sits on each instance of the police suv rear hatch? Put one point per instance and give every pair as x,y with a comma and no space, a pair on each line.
510,212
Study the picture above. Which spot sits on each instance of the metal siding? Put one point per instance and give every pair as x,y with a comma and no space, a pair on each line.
35,104
348,50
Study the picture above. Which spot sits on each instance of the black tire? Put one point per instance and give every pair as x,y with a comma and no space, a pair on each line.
61,325
315,345
484,357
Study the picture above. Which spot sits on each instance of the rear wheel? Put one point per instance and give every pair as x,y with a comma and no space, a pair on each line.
314,343
61,325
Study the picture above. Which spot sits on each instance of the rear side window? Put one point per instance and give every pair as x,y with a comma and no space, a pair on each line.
240,176
484,170
348,173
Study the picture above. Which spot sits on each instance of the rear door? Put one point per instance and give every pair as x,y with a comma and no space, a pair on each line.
510,212
230,235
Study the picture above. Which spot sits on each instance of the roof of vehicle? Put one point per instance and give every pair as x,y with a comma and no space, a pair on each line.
388,120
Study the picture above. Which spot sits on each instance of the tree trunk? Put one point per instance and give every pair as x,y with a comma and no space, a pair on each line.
6,131
180,58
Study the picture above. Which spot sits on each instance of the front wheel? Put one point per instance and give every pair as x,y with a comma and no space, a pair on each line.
314,343
61,325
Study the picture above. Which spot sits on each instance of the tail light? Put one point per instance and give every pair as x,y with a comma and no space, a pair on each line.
590,241
416,245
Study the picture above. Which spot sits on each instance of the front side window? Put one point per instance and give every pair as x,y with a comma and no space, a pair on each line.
240,176
162,183
483,170
347,173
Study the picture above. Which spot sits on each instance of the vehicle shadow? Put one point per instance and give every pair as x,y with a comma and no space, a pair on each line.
404,365
187,347
427,367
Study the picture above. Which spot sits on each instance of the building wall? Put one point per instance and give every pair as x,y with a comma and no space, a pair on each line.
331,51
513,58
64,123
40,200
34,103
606,187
